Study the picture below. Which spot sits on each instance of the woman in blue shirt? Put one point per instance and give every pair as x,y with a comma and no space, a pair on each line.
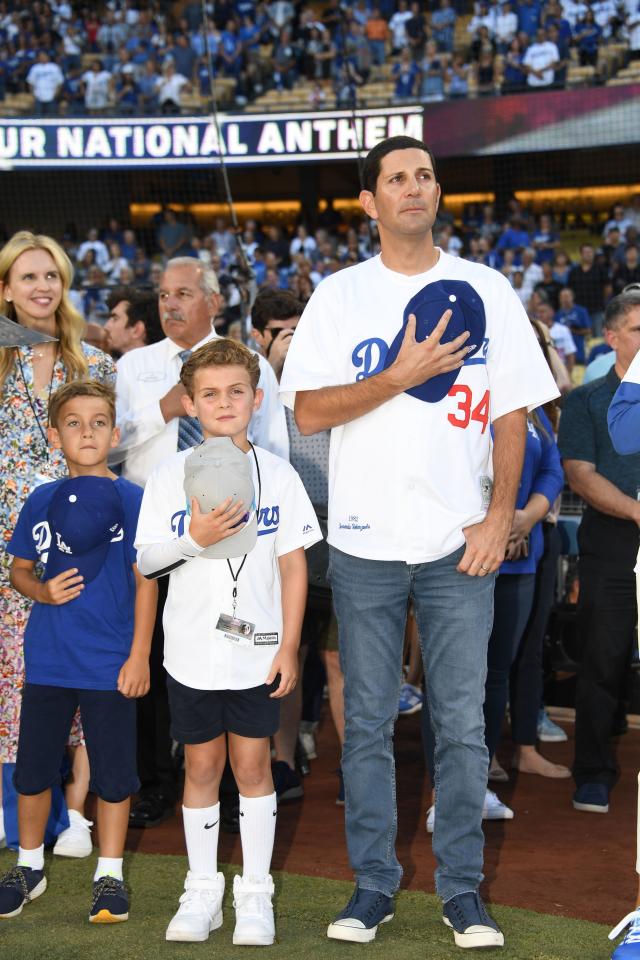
587,35
541,482
514,77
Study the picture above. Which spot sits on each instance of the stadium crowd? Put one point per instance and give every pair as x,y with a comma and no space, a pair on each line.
531,250
137,58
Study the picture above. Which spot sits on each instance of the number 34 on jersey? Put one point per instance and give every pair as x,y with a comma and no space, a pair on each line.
467,410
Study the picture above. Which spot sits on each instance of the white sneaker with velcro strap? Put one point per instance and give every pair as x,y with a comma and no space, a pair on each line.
255,926
200,910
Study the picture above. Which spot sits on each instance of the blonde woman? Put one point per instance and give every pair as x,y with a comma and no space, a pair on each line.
35,277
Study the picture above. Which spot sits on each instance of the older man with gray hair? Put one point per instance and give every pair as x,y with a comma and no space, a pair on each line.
150,413
153,425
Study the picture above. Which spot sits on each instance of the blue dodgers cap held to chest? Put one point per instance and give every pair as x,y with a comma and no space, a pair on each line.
428,305
84,516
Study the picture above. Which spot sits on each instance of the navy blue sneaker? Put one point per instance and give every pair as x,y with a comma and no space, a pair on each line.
592,798
629,948
286,782
361,917
110,903
20,886
471,924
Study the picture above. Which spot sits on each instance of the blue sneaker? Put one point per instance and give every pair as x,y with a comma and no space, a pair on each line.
411,700
592,798
286,782
20,886
548,731
110,903
361,917
629,949
471,924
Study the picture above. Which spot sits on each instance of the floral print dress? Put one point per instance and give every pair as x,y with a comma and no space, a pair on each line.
25,461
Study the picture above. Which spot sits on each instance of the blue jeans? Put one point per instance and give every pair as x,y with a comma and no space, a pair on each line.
454,614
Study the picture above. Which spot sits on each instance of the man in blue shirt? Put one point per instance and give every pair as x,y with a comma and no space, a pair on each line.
576,318
515,237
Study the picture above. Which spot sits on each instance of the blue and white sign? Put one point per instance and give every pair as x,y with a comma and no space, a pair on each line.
194,141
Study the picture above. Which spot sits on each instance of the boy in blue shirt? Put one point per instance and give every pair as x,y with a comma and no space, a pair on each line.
86,643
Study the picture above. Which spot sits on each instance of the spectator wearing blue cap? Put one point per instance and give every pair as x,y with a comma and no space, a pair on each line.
576,318
87,643
408,358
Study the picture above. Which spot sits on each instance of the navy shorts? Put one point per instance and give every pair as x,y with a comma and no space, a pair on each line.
109,725
198,716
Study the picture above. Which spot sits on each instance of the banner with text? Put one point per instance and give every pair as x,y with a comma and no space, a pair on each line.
194,141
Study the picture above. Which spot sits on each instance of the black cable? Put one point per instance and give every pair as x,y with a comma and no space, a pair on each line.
223,167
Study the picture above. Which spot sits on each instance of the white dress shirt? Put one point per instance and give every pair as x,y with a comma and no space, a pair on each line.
145,375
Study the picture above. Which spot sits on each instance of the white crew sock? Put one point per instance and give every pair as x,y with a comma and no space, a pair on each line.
257,832
31,858
108,867
201,829
2,832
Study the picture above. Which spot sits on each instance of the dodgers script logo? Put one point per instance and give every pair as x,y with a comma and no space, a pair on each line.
268,521
371,354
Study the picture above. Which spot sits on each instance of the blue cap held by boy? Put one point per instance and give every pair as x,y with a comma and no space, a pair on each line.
84,516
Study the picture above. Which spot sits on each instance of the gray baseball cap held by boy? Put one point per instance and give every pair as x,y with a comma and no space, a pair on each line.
213,471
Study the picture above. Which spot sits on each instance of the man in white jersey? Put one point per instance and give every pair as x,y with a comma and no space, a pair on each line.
420,507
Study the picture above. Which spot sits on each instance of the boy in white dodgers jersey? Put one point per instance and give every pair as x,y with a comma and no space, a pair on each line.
224,686
430,523
86,644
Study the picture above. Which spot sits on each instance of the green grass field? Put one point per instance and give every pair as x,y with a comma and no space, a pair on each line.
55,927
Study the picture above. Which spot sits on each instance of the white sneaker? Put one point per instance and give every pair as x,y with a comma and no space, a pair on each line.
495,809
75,841
255,926
431,819
200,910
307,736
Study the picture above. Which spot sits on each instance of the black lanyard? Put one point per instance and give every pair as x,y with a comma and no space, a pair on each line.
32,401
236,574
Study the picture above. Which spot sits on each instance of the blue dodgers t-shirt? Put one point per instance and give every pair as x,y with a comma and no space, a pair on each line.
82,643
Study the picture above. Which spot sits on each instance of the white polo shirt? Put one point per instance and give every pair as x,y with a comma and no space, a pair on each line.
201,589
44,79
540,56
407,477
145,375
